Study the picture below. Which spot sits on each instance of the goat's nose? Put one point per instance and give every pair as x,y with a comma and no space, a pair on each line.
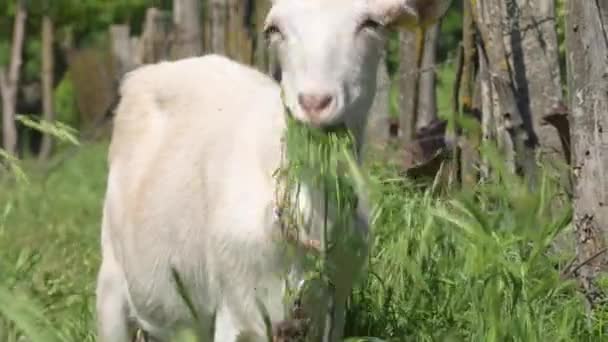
314,103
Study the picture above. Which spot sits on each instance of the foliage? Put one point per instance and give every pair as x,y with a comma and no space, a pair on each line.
322,159
4,51
27,317
316,158
451,32
65,102
477,265
49,249
21,313
32,66
56,129
10,163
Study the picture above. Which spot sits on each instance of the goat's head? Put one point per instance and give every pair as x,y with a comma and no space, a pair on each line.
329,51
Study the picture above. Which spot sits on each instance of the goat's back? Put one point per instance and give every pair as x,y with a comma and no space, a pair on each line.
190,185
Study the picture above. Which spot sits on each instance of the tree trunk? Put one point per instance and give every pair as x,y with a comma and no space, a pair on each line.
238,33
488,128
48,64
532,47
407,85
9,82
188,34
587,57
156,38
261,49
469,157
427,96
217,18
513,138
94,87
377,131
424,134
122,52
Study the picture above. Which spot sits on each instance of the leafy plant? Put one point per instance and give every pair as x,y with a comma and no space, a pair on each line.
56,129
26,315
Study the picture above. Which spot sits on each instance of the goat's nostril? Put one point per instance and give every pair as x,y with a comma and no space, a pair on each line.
313,103
325,101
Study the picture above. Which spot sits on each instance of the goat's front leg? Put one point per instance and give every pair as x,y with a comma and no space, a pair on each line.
111,304
225,326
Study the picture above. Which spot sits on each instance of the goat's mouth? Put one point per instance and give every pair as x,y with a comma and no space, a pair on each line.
329,119
324,126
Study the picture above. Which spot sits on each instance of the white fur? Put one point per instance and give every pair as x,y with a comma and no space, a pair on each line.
190,186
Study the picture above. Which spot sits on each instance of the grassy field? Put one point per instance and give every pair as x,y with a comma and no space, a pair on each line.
49,241
466,266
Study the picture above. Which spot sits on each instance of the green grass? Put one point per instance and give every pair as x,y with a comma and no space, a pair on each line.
466,266
49,241
472,266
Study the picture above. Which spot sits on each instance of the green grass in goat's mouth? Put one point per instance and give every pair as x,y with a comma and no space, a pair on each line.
321,159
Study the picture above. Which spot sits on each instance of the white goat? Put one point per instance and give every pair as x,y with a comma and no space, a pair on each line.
191,188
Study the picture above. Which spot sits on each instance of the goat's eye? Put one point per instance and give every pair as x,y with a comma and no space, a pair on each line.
369,24
272,32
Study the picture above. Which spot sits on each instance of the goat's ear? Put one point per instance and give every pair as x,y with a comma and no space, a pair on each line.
409,14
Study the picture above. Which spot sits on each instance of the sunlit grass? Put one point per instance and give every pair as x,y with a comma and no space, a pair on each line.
469,266
474,266
49,242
